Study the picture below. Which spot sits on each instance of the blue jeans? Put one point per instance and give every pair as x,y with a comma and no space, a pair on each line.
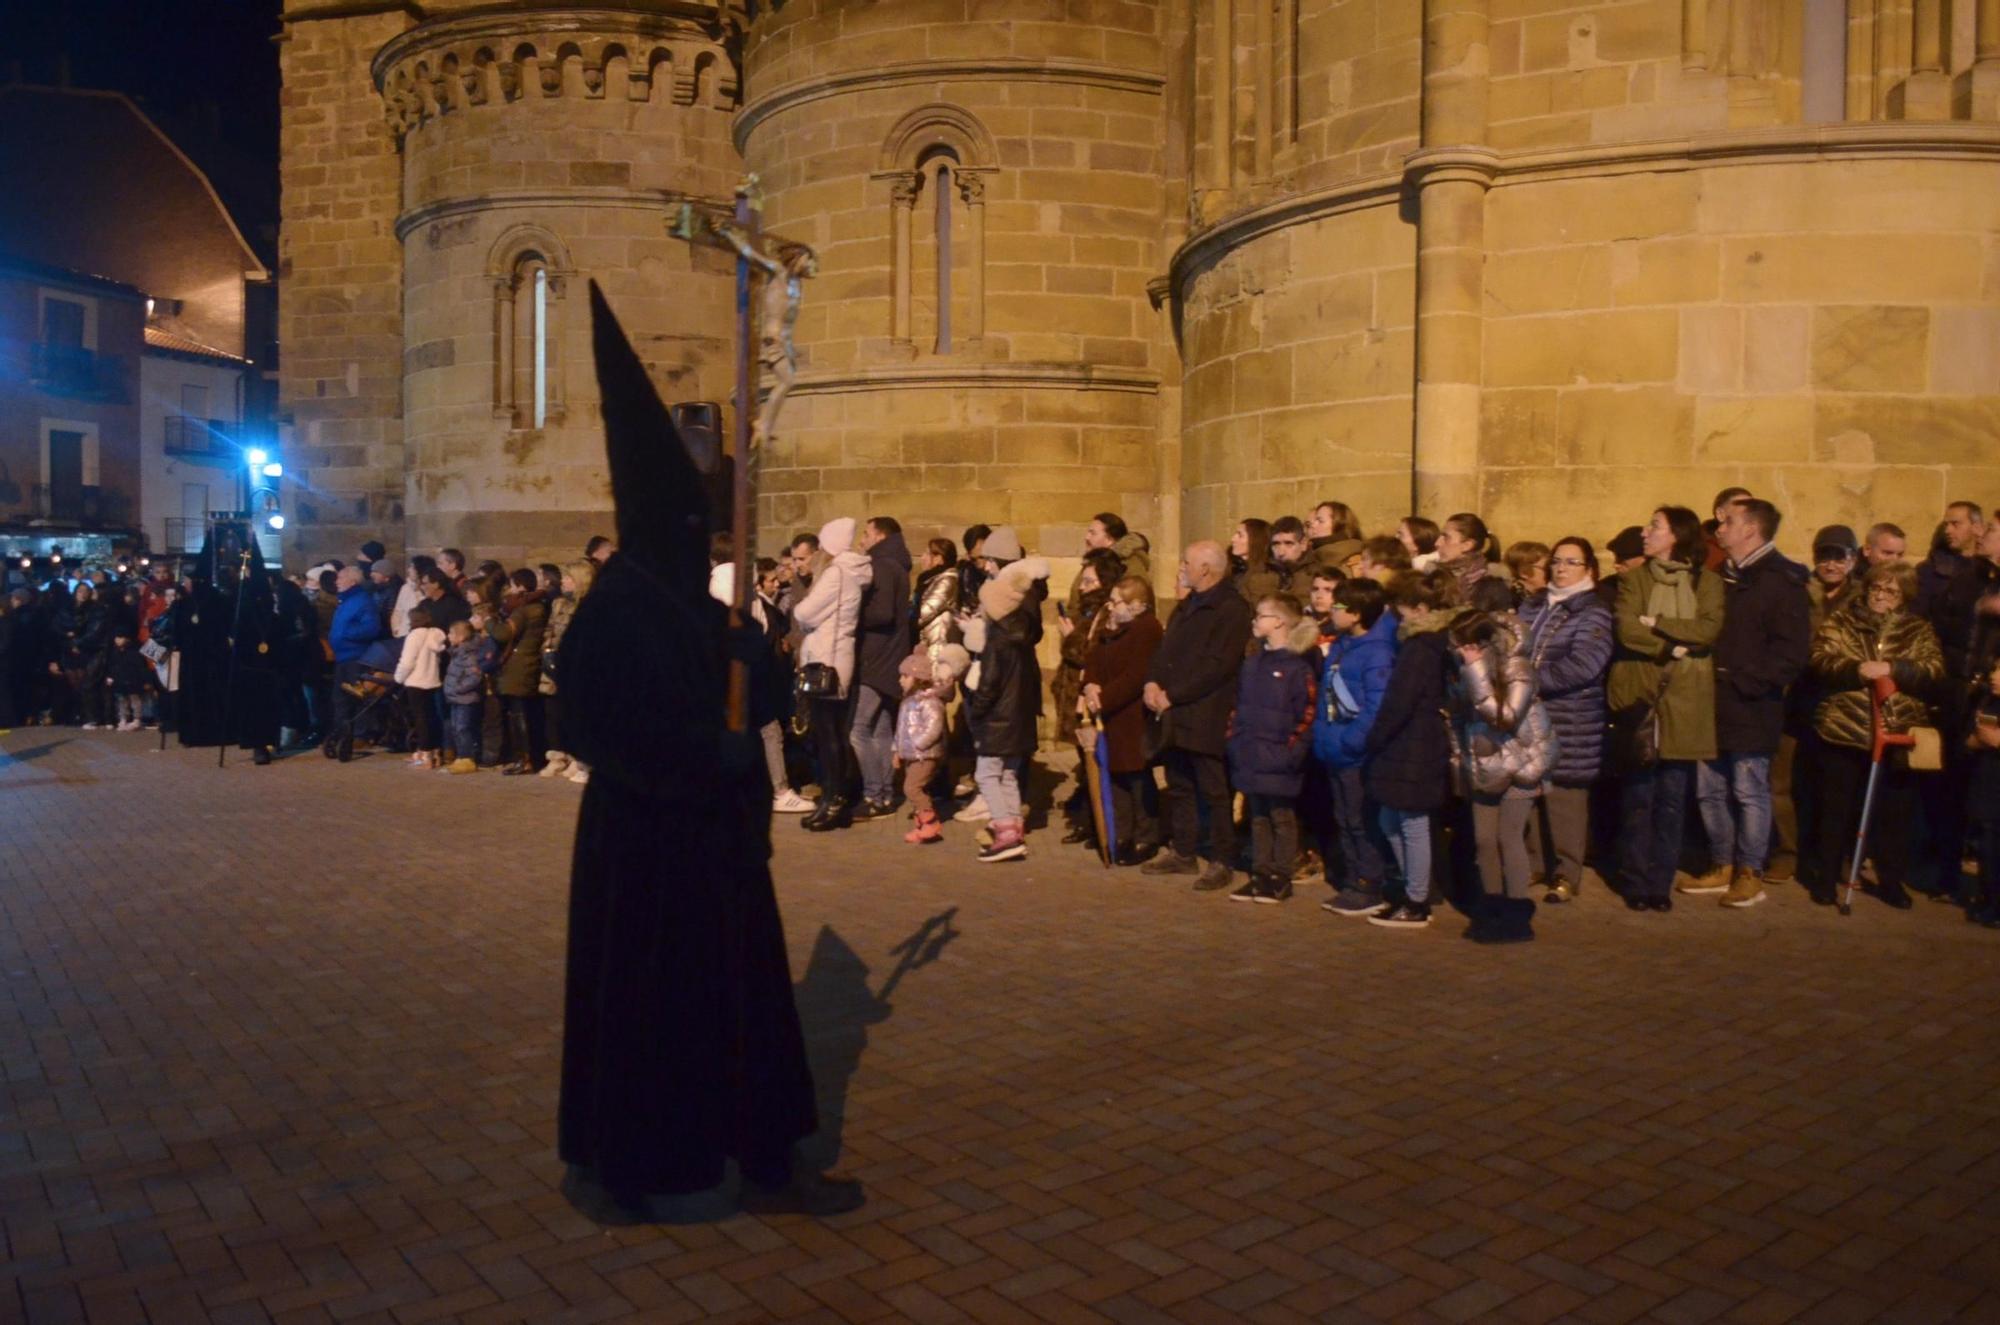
1410,842
466,720
1651,813
999,780
874,740
1734,793
1359,832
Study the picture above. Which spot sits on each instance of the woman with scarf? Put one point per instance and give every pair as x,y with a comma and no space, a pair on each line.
1662,693
1570,641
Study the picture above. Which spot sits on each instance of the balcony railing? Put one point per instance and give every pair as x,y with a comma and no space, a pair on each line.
72,370
201,439
88,506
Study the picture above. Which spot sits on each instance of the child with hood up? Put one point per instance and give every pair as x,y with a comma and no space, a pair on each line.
1003,707
921,730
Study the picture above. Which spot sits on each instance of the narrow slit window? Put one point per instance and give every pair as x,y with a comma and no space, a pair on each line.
541,346
942,179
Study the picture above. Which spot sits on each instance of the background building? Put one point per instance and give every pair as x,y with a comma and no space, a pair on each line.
178,324
1192,260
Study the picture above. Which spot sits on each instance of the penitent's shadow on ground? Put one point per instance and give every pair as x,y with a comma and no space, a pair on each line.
837,1007
24,753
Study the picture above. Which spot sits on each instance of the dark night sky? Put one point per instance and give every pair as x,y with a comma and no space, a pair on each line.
205,70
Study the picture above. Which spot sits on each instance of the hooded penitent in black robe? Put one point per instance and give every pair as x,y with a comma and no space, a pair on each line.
681,1042
230,642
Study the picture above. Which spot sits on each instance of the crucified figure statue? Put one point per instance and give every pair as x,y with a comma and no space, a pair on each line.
778,310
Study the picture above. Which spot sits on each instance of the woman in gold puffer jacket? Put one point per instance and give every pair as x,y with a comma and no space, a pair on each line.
1878,633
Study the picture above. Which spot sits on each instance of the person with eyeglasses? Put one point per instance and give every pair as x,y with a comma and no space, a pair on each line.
1879,634
1570,637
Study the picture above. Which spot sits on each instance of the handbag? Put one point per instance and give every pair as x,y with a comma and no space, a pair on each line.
818,681
1635,732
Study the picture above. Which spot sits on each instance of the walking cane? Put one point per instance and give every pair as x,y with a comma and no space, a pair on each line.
1879,691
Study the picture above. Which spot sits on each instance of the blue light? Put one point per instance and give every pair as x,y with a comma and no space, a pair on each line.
274,470
256,455
276,522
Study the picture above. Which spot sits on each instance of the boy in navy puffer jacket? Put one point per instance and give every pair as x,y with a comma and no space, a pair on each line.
464,697
1269,740
1358,662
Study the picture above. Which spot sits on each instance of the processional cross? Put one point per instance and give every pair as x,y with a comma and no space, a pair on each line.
784,265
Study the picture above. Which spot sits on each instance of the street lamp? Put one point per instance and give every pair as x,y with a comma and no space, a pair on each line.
257,456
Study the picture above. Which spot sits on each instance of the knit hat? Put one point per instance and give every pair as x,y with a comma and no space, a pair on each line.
372,551
916,666
1003,544
1002,595
836,536
952,660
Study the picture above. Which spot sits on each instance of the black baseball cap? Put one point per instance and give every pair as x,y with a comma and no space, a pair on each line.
1835,539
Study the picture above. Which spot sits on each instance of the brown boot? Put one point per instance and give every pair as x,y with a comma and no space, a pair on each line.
1716,880
1745,889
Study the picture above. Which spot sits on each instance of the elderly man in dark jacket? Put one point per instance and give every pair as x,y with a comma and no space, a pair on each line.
881,643
1191,687
1766,636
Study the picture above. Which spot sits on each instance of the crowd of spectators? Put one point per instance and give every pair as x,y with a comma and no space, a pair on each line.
1415,716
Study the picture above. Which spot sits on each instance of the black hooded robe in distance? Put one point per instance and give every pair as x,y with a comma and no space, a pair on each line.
201,635
681,1040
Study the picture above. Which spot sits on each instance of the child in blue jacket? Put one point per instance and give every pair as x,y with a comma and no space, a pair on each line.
1358,661
1269,741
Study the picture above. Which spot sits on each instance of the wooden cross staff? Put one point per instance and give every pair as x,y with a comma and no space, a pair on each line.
784,267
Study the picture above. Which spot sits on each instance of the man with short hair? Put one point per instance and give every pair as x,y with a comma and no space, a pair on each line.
882,641
1766,636
799,554
1885,543
1955,548
452,562
1191,687
1712,529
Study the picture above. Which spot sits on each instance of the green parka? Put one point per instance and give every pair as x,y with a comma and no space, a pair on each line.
1689,611
1854,635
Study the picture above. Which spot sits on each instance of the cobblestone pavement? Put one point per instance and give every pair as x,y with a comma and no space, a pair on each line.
281,1044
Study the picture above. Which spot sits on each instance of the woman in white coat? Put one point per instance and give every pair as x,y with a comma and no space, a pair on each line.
829,615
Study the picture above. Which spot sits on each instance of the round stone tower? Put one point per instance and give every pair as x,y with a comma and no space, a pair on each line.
544,146
983,180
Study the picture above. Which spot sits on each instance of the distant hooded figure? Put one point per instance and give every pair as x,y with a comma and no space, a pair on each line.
232,648
681,1042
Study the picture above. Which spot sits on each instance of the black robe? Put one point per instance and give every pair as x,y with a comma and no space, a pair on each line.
681,1040
201,635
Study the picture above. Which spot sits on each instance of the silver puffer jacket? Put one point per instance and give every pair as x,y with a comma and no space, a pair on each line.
936,608
1502,743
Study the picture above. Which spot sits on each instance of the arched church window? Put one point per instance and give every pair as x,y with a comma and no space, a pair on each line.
529,272
936,162
940,170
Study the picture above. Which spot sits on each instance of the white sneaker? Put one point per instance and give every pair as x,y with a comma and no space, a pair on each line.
578,773
131,726
789,802
975,810
965,787
92,726
557,766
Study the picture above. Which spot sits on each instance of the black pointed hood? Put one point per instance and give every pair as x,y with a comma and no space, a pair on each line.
663,515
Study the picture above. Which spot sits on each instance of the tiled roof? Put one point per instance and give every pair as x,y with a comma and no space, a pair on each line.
157,339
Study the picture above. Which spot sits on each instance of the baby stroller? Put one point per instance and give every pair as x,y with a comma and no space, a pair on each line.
375,705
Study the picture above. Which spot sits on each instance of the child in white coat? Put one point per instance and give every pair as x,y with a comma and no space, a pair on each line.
420,671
